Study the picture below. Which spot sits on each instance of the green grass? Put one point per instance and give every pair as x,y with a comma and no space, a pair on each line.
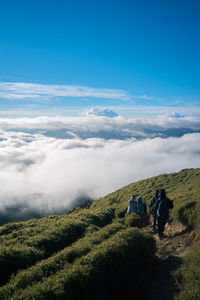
188,277
15,258
182,187
116,266
44,238
62,259
76,254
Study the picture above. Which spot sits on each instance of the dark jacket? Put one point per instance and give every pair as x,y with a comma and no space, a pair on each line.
152,204
169,205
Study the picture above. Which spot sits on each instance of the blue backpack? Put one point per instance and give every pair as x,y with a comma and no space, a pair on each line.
142,209
163,209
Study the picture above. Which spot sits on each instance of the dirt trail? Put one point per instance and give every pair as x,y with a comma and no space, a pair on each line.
178,241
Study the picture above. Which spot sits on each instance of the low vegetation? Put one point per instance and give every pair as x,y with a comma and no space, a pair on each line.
77,255
182,187
188,277
112,267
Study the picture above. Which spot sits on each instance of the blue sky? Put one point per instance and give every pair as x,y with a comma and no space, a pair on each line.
136,57
61,58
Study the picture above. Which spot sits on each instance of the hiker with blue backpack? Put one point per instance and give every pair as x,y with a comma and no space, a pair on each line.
163,204
141,207
132,205
152,206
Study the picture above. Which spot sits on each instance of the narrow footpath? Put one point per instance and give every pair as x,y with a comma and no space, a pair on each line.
178,241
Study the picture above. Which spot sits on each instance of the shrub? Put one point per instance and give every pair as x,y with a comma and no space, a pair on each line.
9,228
188,277
58,238
62,259
99,217
115,268
64,252
121,210
26,251
134,220
14,258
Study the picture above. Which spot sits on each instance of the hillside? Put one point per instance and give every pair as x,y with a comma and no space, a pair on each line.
102,253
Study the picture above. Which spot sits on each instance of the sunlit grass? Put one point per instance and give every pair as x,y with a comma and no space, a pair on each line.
69,255
189,277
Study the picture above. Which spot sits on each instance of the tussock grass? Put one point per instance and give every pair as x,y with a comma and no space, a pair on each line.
44,238
15,258
115,267
76,255
182,187
61,260
188,277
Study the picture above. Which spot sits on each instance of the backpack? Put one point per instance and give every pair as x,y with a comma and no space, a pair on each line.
163,209
132,206
142,209
153,204
153,208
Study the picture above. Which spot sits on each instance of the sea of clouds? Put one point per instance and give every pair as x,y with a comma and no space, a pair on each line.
49,164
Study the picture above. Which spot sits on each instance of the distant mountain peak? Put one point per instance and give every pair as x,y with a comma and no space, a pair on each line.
102,112
175,115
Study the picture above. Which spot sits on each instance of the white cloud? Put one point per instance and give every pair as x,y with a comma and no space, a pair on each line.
17,90
151,111
66,169
146,97
18,96
62,170
94,124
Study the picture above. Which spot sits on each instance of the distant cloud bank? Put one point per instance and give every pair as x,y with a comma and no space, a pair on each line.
51,163
103,124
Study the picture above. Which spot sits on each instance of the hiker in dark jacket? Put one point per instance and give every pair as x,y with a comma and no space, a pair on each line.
162,211
152,206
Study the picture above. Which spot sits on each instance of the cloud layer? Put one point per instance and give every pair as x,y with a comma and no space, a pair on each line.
48,164
103,127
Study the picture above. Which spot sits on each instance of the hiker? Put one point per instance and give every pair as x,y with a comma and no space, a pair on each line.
132,205
162,207
153,210
141,207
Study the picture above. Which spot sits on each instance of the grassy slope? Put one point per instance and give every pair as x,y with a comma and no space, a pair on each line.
188,277
182,187
53,250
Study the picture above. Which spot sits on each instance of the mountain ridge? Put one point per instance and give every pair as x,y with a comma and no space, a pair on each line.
69,255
